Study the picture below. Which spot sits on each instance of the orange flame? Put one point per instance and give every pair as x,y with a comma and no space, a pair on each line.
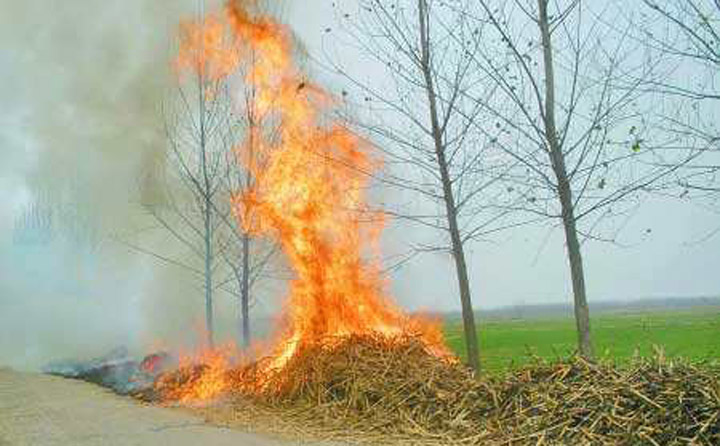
309,194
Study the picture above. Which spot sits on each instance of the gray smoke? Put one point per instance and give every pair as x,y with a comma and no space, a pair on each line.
84,83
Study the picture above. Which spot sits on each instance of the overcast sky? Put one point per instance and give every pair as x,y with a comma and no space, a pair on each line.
528,265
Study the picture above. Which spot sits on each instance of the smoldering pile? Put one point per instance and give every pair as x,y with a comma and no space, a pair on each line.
398,388
116,370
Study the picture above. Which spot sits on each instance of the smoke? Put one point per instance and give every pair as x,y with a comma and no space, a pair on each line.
83,87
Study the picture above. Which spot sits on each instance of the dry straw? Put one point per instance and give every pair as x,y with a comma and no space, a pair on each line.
368,387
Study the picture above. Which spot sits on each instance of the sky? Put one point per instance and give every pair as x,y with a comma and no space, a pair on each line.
84,85
528,266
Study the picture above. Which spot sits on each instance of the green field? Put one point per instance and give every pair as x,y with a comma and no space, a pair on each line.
507,343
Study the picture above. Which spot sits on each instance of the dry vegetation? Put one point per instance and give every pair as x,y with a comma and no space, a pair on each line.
366,390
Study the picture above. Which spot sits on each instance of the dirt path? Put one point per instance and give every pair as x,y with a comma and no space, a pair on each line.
41,410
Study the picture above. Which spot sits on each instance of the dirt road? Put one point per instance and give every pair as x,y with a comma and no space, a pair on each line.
41,410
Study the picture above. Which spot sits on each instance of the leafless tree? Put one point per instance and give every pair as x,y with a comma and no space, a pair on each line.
207,168
257,258
34,225
202,176
571,110
688,32
58,219
424,119
193,212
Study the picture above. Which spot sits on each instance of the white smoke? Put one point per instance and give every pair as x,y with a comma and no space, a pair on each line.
81,131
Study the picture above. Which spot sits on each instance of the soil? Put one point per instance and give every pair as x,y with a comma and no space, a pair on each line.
42,410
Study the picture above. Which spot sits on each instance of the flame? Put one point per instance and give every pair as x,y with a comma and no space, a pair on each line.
308,195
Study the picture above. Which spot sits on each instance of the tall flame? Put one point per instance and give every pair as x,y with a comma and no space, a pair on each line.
309,193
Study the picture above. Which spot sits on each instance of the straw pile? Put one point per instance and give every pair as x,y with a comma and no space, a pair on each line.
386,386
370,385
653,402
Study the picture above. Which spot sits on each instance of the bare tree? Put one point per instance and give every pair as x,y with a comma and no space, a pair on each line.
197,211
34,225
688,33
257,259
193,212
689,30
58,217
422,117
199,133
205,171
571,109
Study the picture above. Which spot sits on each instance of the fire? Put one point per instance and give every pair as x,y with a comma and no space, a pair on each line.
309,195
202,377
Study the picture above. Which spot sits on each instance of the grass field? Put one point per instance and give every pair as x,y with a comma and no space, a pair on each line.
506,343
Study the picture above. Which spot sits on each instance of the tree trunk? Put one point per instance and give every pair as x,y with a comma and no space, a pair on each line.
207,217
245,295
564,191
471,340
468,315
582,312
208,280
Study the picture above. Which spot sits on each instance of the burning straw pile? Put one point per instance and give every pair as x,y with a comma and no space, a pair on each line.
350,357
367,384
383,385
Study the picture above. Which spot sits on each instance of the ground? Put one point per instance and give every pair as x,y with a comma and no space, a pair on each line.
41,410
505,342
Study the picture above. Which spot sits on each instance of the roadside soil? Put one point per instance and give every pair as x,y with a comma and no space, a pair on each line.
43,410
